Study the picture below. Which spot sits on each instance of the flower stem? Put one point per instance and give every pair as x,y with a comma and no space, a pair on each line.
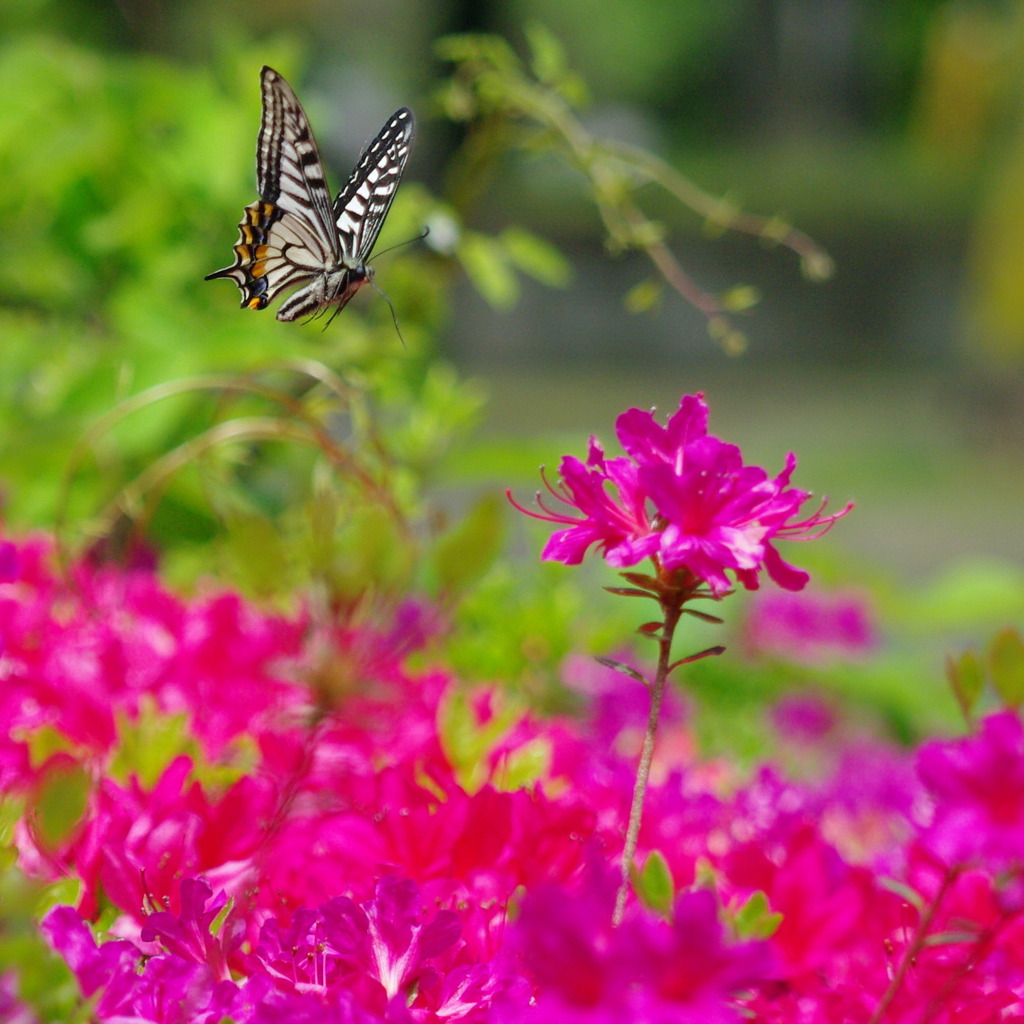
672,612
912,951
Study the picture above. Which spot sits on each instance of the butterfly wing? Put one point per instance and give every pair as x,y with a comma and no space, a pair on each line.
289,171
289,234
362,205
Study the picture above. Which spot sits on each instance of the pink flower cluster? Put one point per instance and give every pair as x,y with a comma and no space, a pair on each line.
809,629
683,498
297,842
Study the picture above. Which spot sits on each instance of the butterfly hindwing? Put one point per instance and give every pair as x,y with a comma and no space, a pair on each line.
293,234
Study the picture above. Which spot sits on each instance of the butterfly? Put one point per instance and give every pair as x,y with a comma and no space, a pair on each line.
293,234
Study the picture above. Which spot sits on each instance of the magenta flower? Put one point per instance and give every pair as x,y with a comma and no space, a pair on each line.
811,628
977,785
682,497
189,935
12,1010
648,969
167,990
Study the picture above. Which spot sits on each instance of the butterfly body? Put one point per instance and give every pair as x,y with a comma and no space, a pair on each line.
293,234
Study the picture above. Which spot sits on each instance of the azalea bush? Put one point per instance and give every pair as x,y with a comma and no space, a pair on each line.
216,813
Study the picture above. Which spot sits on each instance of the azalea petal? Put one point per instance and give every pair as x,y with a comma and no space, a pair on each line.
785,575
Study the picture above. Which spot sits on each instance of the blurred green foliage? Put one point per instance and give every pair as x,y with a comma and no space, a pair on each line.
112,419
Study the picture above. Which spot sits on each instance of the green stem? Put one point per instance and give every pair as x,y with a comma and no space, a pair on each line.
910,954
643,771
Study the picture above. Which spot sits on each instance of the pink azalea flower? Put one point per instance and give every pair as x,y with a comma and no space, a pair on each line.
977,786
682,497
682,972
385,953
188,935
811,628
622,528
167,991
12,1010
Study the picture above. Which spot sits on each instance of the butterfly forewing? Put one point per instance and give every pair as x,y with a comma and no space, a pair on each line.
293,234
363,203
288,168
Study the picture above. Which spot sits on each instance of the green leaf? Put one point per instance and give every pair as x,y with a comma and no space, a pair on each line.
270,571
525,766
708,652
466,553
547,54
149,741
1006,663
904,891
60,801
372,553
713,620
967,680
740,298
537,257
950,938
644,296
755,920
618,666
642,580
721,330
467,740
65,891
485,261
629,592
654,884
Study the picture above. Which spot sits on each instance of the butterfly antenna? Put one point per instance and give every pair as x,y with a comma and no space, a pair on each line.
391,248
391,306
384,295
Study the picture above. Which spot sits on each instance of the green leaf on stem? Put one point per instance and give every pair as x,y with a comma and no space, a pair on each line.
703,616
1006,663
548,61
654,884
949,938
905,892
967,680
755,919
639,579
708,652
644,296
619,666
630,592
740,298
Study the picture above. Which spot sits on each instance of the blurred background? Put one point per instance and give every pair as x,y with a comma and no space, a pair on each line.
892,134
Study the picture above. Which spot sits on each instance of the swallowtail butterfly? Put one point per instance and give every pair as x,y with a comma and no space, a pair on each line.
293,234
